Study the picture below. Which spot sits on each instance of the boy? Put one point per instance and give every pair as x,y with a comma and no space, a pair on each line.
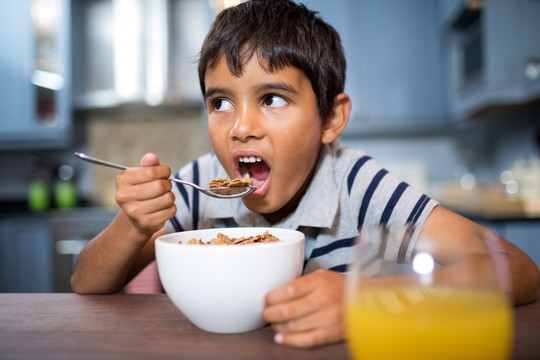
272,74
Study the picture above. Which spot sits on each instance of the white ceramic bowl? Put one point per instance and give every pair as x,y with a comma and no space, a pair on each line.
221,288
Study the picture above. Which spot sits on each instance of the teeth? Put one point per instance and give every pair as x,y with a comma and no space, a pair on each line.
249,159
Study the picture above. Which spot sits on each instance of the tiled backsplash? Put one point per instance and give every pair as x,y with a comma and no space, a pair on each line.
123,137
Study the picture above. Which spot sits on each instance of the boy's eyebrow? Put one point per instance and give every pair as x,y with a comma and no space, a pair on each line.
263,87
211,91
277,86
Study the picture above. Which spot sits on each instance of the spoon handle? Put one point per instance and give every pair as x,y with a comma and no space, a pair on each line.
93,160
213,192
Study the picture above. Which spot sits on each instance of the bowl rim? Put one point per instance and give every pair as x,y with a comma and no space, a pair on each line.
163,240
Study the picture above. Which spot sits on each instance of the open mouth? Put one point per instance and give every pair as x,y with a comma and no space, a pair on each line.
254,167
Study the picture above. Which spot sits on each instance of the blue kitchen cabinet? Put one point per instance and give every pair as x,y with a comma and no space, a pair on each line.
448,10
35,72
26,254
394,51
492,54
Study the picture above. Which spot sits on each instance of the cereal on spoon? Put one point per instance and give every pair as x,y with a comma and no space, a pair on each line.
224,183
229,187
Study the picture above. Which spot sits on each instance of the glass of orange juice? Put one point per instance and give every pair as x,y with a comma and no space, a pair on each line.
402,303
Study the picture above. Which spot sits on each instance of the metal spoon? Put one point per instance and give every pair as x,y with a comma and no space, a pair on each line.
220,193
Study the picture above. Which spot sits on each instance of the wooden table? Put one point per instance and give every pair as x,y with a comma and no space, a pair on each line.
70,326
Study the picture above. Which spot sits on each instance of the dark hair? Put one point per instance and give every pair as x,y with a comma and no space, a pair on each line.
282,33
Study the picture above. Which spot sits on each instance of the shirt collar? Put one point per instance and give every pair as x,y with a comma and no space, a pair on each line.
317,208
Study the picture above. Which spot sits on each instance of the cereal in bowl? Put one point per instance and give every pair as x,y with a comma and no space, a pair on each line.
222,239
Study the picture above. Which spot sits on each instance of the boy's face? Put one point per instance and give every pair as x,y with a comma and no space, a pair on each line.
266,126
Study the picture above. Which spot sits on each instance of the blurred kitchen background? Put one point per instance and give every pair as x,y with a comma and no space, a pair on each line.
446,94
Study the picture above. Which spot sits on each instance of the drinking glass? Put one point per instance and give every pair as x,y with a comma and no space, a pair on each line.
402,304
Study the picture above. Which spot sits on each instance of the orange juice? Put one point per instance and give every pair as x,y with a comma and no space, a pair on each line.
428,323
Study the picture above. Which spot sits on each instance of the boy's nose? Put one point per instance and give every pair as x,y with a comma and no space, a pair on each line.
246,125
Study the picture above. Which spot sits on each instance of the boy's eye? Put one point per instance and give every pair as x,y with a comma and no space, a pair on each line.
274,101
222,105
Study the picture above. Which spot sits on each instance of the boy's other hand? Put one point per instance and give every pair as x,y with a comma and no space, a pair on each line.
144,193
308,311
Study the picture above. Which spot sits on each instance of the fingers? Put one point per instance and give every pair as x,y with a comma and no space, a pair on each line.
149,159
145,182
331,317
295,289
149,170
307,323
145,194
139,191
289,310
307,339
152,222
140,175
315,329
308,311
149,215
142,204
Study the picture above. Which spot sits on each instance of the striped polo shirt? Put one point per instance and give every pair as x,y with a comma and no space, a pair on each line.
349,190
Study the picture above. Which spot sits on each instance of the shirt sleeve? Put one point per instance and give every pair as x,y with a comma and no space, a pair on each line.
382,198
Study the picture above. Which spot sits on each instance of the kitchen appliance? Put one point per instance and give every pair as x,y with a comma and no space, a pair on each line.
71,230
137,51
493,53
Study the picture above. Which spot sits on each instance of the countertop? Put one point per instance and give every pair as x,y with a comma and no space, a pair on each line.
149,326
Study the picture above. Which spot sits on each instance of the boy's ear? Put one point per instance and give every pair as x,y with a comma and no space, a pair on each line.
338,119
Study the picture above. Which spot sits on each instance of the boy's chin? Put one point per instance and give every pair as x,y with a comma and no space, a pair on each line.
258,205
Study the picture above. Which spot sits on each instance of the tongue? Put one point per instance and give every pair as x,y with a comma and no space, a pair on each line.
259,170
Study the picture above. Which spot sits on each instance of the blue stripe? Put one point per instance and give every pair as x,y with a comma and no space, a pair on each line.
195,211
354,171
339,244
369,194
182,190
402,252
392,202
339,268
418,208
176,224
